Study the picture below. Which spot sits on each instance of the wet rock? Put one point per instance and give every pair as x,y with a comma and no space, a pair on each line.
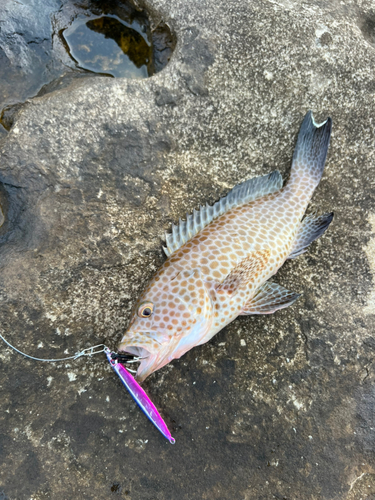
9,114
34,53
92,176
25,49
3,131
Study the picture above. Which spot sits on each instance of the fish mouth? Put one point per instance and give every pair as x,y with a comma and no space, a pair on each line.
141,356
136,351
149,352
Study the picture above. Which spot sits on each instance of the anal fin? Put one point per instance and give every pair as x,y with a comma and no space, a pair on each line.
270,298
245,272
311,228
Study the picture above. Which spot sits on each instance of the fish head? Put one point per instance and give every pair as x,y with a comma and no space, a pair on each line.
172,315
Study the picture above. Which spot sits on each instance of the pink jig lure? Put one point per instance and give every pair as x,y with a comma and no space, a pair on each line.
139,395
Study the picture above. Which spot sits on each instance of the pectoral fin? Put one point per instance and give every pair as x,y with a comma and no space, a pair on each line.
245,272
311,228
269,299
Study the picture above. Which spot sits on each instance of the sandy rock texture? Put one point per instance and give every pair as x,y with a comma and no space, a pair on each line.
274,407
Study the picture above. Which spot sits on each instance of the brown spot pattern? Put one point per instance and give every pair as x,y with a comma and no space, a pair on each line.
206,283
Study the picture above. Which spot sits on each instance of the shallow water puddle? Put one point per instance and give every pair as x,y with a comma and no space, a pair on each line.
44,45
110,45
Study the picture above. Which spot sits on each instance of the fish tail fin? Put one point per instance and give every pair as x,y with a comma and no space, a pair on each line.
311,150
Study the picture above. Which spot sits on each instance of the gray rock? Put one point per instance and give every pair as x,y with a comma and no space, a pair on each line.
3,132
34,55
25,49
279,406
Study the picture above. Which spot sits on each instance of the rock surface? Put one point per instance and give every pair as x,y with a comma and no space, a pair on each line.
92,176
25,49
35,54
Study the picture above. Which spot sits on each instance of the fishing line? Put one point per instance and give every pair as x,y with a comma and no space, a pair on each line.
89,351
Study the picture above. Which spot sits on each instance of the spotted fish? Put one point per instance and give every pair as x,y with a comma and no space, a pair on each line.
221,258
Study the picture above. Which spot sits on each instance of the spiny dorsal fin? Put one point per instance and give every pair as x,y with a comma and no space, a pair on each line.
245,192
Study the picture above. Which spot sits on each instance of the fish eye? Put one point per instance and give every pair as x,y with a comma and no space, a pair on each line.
146,309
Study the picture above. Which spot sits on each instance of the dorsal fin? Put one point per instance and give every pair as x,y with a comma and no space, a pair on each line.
245,192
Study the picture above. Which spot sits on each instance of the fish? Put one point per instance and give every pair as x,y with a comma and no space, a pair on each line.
221,258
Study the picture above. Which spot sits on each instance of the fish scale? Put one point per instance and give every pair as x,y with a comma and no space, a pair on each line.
221,257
